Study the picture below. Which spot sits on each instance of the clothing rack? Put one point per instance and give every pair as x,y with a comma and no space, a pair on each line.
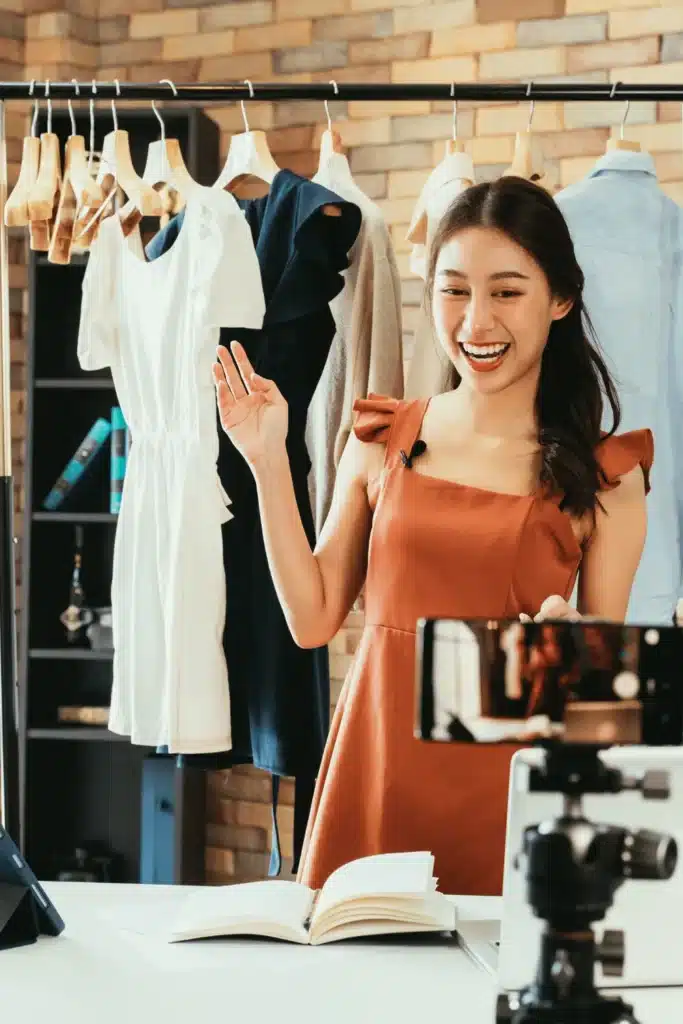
234,91
200,94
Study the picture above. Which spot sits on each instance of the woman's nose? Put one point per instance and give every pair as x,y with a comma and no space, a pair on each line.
478,318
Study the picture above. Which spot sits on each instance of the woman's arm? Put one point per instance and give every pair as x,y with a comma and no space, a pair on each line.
611,558
317,589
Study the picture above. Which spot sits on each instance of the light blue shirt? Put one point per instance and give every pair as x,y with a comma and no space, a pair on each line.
627,234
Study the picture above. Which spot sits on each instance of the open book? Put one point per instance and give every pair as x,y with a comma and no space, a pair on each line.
383,895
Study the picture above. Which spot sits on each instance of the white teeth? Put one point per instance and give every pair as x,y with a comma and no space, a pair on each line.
485,351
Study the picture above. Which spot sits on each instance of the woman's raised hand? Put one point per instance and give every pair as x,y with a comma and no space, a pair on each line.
252,411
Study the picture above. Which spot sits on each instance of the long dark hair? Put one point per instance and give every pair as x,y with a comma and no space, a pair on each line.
574,381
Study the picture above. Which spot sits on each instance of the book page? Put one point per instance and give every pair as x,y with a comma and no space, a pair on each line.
386,874
273,909
385,916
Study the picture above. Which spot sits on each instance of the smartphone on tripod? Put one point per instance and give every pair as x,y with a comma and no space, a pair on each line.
574,691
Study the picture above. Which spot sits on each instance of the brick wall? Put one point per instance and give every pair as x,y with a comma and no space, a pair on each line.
392,146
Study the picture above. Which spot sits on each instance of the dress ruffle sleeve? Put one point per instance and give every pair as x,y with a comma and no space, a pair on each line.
373,417
623,452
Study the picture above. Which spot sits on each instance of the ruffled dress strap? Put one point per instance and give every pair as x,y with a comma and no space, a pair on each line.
621,453
374,417
384,420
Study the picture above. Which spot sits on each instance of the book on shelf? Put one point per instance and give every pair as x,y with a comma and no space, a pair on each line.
78,464
76,714
119,457
387,894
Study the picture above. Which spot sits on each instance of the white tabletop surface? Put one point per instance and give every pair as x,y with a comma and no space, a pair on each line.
112,964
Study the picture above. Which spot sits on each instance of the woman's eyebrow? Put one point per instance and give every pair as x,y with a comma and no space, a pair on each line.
494,277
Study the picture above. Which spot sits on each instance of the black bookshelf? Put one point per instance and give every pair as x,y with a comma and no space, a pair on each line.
82,783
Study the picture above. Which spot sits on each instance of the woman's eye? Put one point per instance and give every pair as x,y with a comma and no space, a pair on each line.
459,292
507,293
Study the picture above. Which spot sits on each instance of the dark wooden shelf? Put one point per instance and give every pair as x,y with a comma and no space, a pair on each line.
74,384
74,517
84,732
69,654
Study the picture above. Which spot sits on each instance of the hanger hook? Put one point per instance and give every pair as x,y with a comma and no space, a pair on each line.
163,81
91,140
34,119
71,109
531,107
327,107
455,112
49,105
612,95
244,109
160,119
113,106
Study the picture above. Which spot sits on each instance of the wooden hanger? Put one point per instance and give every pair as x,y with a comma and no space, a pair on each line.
455,165
330,140
624,144
331,144
86,189
164,166
525,162
43,197
621,143
454,145
16,208
117,161
78,188
79,160
59,250
91,199
248,156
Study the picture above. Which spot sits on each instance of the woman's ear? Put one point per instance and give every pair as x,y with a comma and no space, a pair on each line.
560,308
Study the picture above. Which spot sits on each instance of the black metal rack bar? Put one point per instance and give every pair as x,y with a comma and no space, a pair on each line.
233,91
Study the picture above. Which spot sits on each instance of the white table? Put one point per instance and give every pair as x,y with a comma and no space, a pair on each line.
112,965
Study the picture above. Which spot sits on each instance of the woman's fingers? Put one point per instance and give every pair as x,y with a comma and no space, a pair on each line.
241,358
224,395
555,607
235,382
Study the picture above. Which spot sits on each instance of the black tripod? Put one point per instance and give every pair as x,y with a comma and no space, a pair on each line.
573,869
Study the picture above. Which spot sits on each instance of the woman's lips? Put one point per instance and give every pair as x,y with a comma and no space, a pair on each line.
484,358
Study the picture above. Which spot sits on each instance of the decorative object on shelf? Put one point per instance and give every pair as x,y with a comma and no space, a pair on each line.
78,715
80,461
77,616
99,632
89,862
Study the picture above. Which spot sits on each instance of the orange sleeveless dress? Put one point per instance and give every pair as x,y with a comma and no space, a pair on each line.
437,549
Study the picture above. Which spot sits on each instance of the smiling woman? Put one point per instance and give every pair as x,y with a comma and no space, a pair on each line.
484,502
507,295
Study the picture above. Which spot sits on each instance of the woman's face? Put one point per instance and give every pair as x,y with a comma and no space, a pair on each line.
492,308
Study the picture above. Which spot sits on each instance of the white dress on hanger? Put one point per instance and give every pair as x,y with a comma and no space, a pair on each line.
156,325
